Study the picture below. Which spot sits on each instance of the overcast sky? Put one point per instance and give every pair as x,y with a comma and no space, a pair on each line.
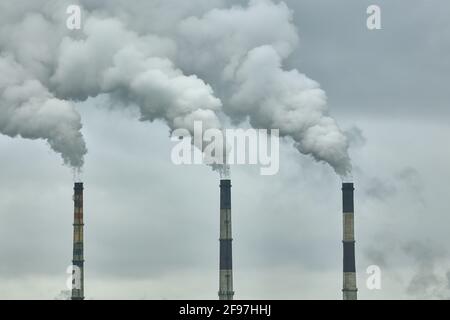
152,228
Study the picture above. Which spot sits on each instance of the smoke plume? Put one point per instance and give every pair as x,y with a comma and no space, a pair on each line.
29,110
103,58
246,49
176,61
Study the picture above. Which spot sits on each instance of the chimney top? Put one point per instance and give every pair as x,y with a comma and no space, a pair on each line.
347,186
78,186
225,183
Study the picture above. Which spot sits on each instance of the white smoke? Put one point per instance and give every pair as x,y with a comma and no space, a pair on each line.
29,110
111,59
290,101
166,58
37,85
246,50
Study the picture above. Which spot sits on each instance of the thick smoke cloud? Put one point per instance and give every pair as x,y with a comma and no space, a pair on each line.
246,50
292,102
136,70
212,59
104,58
29,110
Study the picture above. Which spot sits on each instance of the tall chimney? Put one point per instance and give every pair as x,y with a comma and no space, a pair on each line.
78,258
349,288
226,263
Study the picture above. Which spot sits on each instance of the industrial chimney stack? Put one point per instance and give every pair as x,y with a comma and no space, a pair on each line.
349,289
78,257
226,263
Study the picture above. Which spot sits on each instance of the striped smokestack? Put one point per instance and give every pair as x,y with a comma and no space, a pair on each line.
349,288
78,258
226,263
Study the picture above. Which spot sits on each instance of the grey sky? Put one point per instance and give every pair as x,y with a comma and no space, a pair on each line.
152,227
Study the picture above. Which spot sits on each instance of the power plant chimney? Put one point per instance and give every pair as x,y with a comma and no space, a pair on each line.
226,263
78,257
349,288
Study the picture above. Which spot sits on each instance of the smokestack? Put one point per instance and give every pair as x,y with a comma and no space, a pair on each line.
349,288
226,263
78,257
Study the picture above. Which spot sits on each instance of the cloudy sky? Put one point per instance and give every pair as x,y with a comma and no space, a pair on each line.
151,227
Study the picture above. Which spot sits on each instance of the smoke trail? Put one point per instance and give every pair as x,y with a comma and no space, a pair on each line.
247,48
176,61
103,58
29,110
136,70
28,107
